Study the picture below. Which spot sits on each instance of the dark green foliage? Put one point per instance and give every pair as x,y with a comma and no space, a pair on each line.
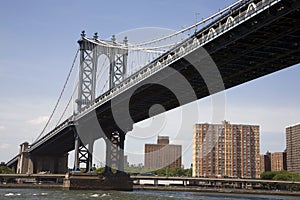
268,175
99,170
280,175
5,170
138,170
173,172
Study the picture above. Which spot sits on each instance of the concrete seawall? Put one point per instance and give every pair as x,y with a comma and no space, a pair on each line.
217,190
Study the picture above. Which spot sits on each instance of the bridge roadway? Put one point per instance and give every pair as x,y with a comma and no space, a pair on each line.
256,41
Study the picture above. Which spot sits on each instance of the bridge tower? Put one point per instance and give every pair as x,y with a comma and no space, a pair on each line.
90,52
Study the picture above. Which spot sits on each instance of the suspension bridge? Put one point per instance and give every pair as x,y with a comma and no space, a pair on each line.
118,82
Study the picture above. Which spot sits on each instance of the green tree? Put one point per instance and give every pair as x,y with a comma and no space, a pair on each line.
172,172
99,170
5,170
280,175
286,176
188,172
268,175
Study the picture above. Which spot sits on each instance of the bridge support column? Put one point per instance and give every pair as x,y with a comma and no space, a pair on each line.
90,156
83,155
121,153
115,152
155,182
76,159
108,156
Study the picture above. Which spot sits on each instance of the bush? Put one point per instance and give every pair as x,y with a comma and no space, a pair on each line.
280,176
6,170
99,170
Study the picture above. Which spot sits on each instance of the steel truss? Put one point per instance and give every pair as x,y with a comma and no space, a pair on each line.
89,56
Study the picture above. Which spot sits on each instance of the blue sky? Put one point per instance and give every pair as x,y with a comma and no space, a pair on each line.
38,43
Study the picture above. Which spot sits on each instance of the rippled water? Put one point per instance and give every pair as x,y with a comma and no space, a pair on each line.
111,195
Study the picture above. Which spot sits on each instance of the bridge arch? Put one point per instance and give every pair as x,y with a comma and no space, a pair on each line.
251,8
230,20
212,32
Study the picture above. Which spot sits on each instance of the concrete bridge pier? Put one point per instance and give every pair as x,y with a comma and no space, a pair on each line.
54,164
35,163
113,177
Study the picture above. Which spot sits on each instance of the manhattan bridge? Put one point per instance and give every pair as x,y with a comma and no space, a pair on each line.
118,81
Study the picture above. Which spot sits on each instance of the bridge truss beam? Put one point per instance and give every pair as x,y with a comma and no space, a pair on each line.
115,152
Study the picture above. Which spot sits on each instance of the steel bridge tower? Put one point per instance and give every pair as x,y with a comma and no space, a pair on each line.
89,56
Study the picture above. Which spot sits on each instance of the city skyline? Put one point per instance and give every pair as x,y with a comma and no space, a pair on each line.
39,50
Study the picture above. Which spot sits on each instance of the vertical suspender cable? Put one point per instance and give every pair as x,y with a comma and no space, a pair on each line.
60,96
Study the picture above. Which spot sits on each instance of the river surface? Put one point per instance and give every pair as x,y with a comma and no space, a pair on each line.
139,195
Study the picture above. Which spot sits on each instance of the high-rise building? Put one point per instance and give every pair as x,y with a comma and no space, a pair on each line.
278,161
265,162
293,148
273,161
221,150
162,154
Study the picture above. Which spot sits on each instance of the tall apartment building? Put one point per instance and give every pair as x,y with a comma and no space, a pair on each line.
221,150
273,161
293,148
278,161
162,154
265,162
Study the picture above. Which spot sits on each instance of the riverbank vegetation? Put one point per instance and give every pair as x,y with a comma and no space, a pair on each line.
280,176
5,170
138,170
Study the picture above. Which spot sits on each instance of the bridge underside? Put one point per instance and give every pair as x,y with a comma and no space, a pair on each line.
60,144
262,45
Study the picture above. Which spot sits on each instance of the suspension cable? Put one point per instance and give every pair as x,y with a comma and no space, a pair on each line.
190,27
101,72
60,96
64,112
151,49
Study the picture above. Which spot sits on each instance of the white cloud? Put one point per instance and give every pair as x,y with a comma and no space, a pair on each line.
2,128
39,120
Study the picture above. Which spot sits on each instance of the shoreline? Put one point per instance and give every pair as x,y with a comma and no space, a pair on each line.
31,186
166,188
224,190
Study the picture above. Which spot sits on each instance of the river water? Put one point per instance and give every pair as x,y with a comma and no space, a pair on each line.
138,195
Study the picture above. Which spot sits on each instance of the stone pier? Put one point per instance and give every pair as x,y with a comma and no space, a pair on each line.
83,181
